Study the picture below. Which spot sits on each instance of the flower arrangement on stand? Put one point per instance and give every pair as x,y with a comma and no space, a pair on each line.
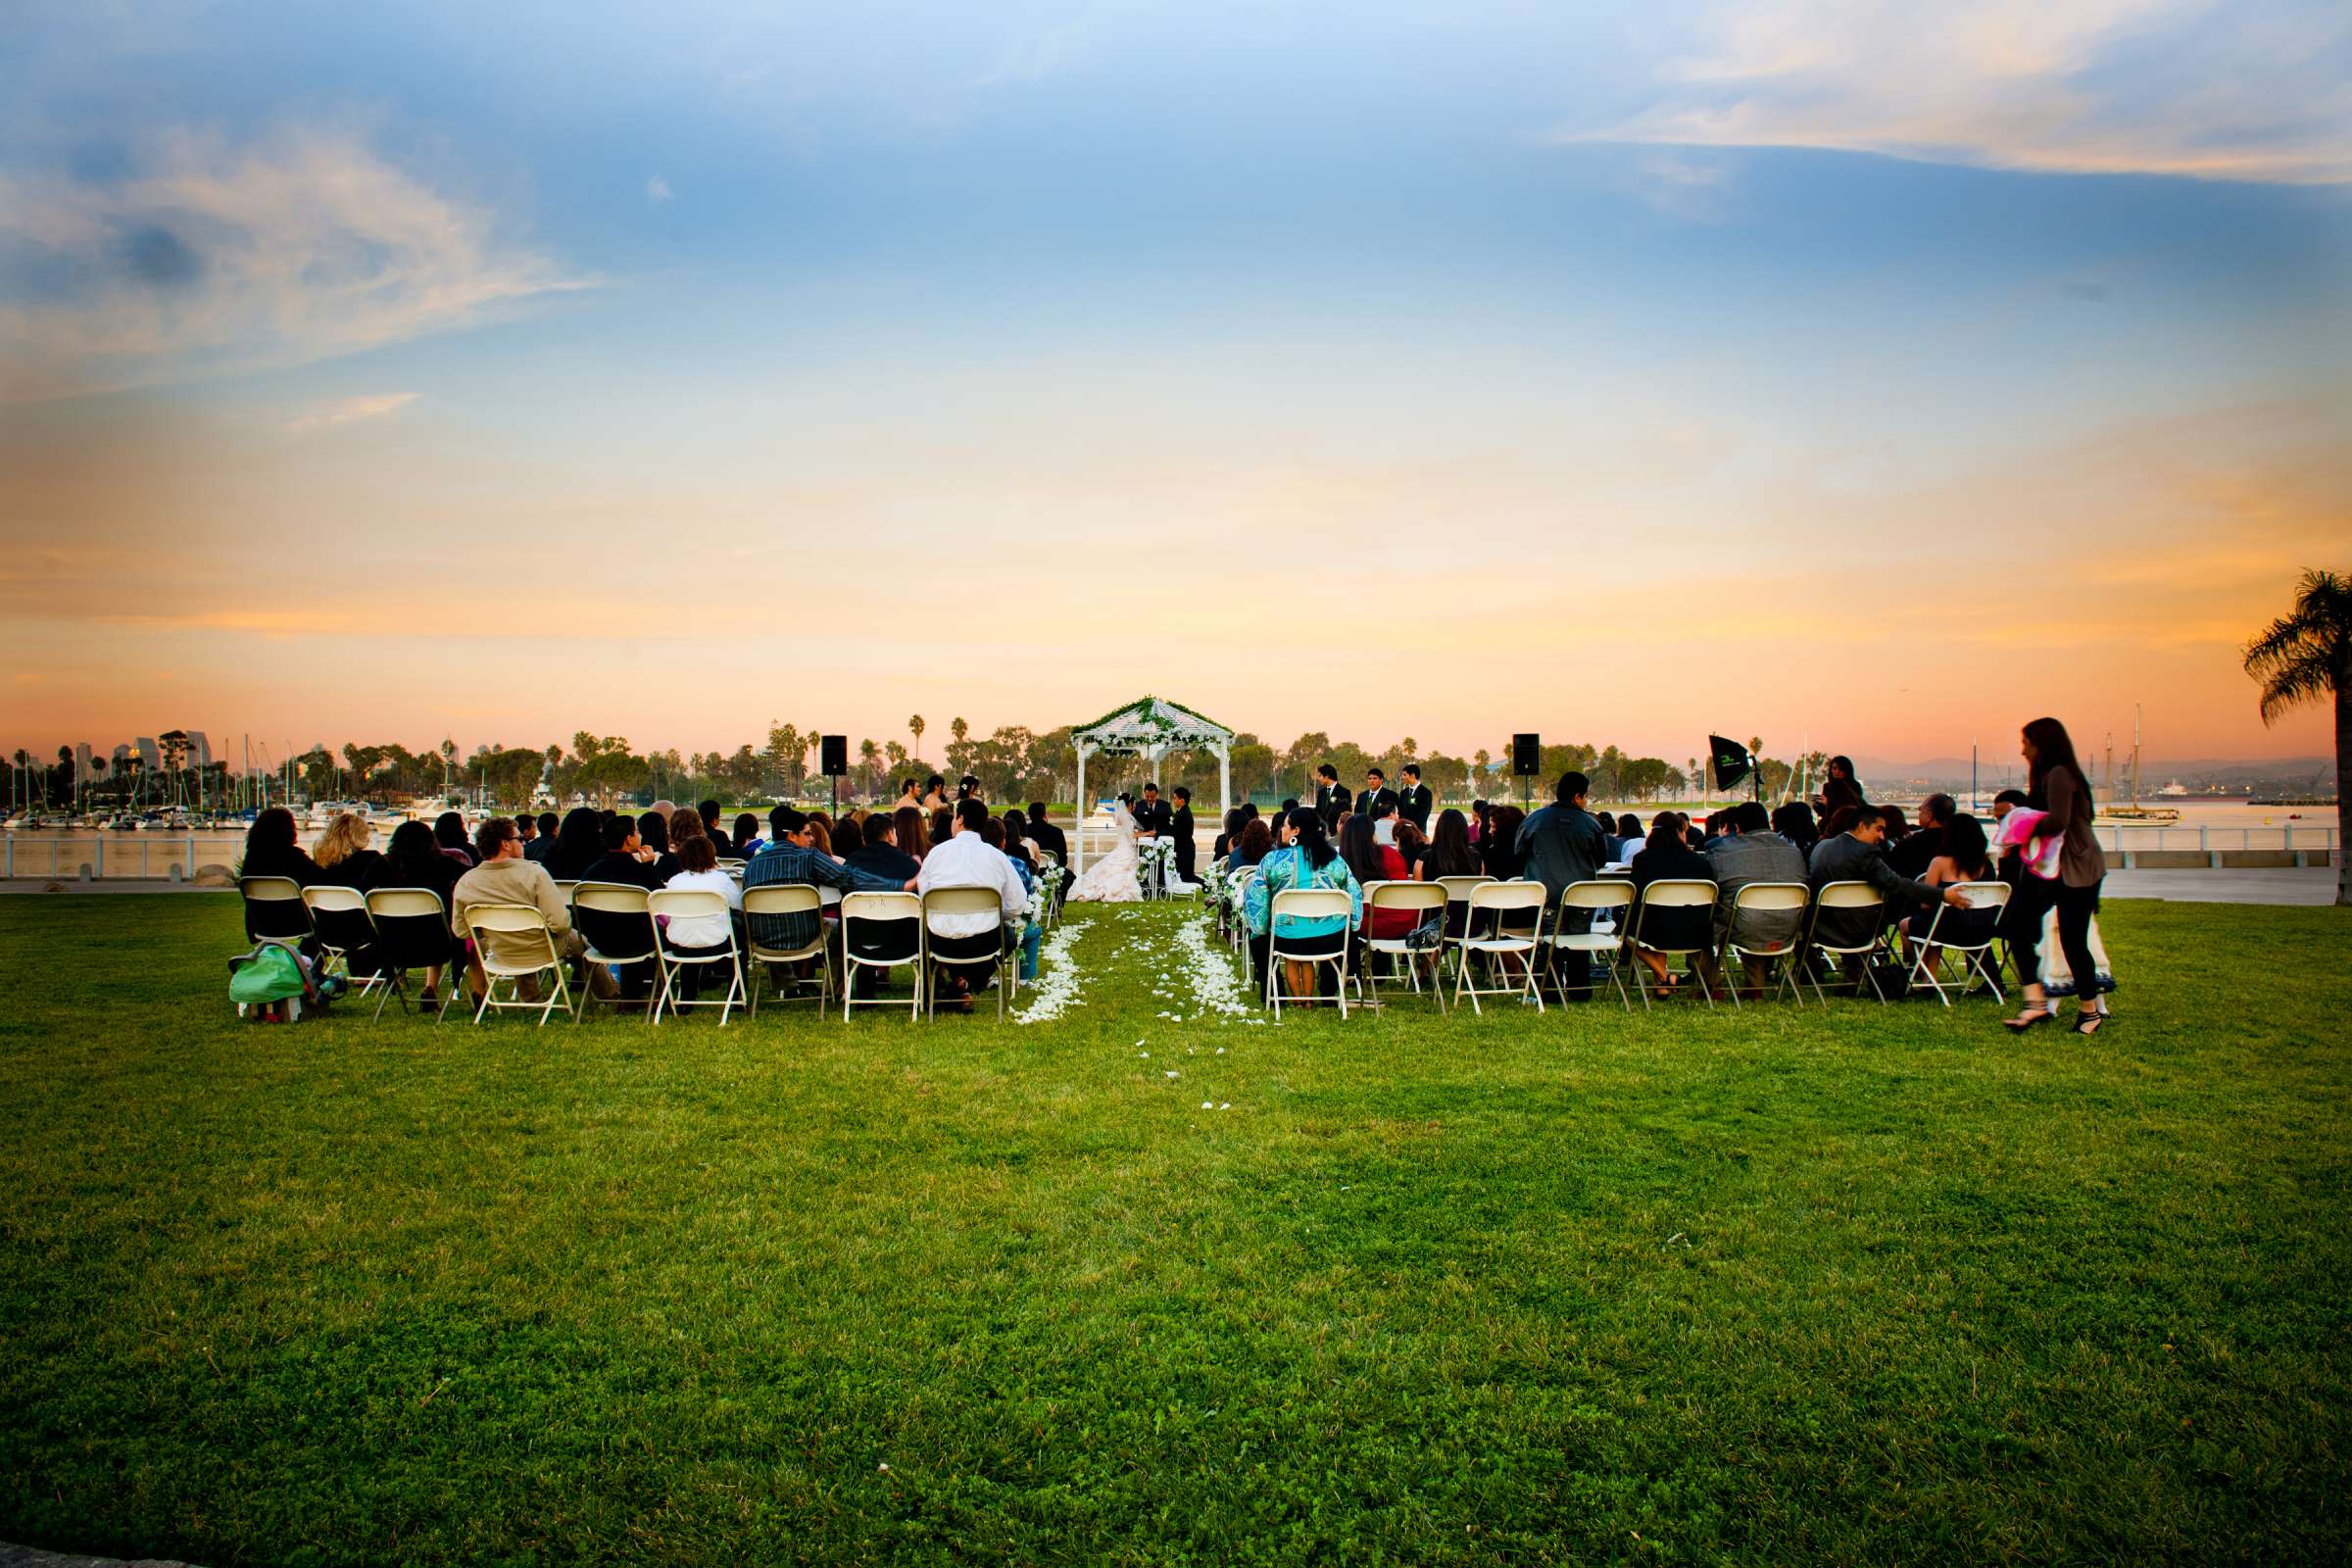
1154,864
1049,878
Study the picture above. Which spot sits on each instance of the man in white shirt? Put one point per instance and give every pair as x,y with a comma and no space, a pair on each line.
967,945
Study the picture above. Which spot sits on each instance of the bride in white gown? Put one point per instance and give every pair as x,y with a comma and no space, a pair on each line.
1112,878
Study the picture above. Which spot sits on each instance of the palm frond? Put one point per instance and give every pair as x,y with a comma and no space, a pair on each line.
2303,657
2290,686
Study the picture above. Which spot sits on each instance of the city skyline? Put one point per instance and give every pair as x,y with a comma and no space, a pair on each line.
1837,373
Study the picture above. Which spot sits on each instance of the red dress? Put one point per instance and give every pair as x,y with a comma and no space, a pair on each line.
1389,925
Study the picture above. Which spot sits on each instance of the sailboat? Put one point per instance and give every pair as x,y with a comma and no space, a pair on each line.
2134,812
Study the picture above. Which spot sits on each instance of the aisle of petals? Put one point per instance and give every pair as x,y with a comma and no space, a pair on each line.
1058,975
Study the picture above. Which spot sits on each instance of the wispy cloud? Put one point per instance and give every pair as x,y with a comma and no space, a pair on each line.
656,189
215,258
2259,92
349,411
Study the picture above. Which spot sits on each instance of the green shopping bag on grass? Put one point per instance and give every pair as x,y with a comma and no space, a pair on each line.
271,973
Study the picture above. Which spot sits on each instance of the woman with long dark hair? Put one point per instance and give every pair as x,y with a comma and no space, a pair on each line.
448,831
579,844
1794,821
2058,789
413,859
1305,860
271,850
1840,788
1255,842
746,836
1500,847
1449,850
1371,861
913,836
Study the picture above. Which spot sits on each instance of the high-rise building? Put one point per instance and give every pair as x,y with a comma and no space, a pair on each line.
200,751
151,761
82,765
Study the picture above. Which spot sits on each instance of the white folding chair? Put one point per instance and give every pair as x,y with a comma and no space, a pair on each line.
274,910
1309,903
947,901
878,909
1969,932
779,899
535,954
693,902
1647,935
1847,902
733,867
1237,898
1421,898
564,890
1612,898
1742,942
1457,895
340,917
411,932
613,918
1518,911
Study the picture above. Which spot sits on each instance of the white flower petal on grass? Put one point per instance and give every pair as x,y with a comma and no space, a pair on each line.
1056,984
1171,1072
1228,1106
1215,986
1206,1105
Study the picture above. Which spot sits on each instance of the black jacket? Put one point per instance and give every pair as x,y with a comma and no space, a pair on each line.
1413,805
1046,835
1153,817
626,869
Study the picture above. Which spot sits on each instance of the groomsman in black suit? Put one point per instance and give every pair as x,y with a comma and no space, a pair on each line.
1331,797
1046,835
1179,828
1413,804
1376,792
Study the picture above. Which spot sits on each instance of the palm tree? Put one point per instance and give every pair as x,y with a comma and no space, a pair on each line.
2302,657
869,754
960,729
914,727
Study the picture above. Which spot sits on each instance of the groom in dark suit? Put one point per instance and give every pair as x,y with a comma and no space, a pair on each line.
1179,828
1151,814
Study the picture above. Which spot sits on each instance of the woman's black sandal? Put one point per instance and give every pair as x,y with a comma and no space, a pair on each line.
2089,1023
2018,1026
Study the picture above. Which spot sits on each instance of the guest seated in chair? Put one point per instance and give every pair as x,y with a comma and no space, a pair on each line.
1667,856
1748,851
696,936
500,875
965,947
1303,860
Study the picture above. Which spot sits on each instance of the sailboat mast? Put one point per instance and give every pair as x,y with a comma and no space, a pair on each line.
2136,757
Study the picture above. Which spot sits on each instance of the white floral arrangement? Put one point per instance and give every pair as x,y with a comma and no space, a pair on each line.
1154,865
1056,985
1216,881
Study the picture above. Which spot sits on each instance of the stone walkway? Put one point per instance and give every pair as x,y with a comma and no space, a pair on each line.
28,1557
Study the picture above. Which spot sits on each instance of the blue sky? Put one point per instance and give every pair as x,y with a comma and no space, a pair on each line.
1395,295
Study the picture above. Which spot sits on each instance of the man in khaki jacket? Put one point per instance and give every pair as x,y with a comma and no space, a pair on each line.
500,875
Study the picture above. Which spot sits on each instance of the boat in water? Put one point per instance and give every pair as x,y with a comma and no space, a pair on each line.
2134,812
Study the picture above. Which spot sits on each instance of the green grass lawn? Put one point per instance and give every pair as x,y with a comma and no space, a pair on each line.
1876,1286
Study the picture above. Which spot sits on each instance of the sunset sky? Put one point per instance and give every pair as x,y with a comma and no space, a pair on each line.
1878,374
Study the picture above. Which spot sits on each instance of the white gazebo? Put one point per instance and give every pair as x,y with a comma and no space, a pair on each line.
1148,727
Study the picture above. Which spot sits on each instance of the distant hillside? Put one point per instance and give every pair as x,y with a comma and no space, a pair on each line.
2284,774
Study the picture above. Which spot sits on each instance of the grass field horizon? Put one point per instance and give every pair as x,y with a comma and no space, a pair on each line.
1863,1285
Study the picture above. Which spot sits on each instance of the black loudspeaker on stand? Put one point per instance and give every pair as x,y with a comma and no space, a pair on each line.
1527,756
833,761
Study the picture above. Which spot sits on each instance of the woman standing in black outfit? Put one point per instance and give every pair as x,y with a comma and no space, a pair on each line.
2061,793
